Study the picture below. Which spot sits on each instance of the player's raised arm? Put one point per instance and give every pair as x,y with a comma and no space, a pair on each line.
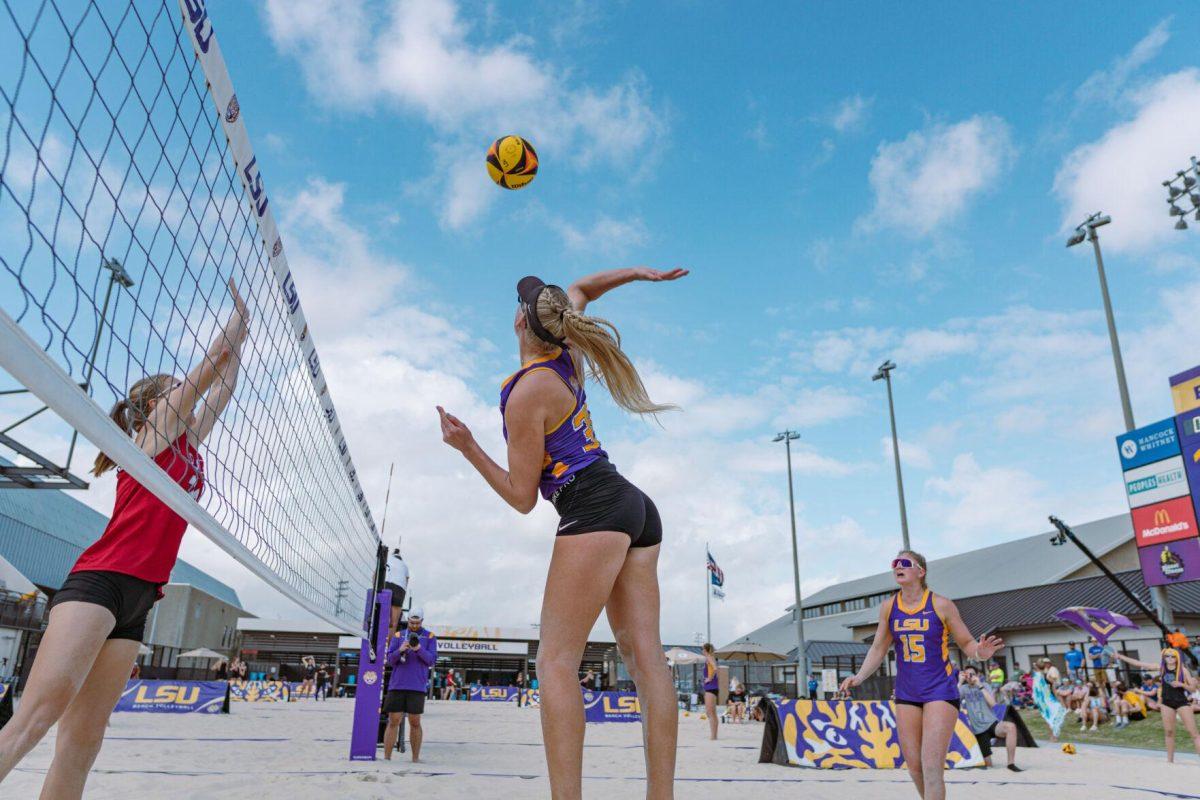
589,288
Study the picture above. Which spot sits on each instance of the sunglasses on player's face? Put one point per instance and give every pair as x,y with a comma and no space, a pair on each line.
903,563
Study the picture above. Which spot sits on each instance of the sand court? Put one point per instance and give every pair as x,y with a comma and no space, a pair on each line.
299,751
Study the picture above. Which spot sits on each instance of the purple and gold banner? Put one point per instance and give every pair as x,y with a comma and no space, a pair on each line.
857,734
494,694
174,697
532,697
611,707
1172,562
258,691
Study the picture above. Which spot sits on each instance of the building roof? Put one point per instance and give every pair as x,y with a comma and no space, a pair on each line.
1035,605
986,570
43,531
1020,563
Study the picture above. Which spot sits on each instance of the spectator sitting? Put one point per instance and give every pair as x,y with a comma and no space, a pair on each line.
1148,691
1121,708
1094,707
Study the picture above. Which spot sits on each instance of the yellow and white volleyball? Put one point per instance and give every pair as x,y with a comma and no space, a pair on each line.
1069,749
512,162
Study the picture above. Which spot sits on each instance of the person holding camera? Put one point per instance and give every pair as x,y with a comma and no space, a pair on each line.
977,701
411,653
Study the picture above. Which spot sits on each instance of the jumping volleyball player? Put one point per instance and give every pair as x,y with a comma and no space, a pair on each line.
919,624
98,616
606,550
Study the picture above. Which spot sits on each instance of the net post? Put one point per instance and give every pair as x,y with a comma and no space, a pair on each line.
368,696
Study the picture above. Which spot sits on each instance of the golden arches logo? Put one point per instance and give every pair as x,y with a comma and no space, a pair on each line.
1162,517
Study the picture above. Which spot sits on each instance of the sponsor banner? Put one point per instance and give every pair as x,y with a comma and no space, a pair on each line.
1171,562
611,707
258,691
533,697
1188,425
482,646
1185,390
494,694
173,697
1148,444
858,734
1164,522
1153,483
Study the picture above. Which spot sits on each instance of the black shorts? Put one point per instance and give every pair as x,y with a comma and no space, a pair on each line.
921,703
404,701
128,598
985,740
397,594
598,498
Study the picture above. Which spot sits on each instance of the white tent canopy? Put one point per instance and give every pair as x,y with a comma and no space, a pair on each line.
743,650
677,655
201,652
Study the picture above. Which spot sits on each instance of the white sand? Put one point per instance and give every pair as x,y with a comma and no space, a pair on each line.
483,751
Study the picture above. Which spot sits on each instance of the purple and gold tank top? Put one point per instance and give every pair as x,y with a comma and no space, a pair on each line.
572,444
922,645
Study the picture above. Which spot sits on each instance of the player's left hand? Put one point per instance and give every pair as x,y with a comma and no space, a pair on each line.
648,274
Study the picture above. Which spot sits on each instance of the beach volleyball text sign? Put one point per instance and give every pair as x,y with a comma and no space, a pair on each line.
611,707
174,697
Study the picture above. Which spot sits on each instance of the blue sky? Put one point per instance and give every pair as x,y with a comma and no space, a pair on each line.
892,182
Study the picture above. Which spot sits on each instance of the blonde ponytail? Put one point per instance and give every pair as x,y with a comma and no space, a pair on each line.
600,344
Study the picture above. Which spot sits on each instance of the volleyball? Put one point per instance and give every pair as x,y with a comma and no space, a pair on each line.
512,162
1069,749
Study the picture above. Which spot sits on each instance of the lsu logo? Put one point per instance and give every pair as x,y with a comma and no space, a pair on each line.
290,295
620,705
911,624
494,692
232,110
197,17
179,695
277,248
314,363
254,182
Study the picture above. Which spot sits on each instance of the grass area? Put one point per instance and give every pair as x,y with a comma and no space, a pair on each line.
1146,733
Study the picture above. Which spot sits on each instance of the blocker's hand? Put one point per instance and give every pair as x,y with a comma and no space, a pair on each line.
648,274
454,432
987,646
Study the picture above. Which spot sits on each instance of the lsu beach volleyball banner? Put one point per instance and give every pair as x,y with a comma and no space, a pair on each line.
611,707
174,697
851,734
258,691
494,694
532,697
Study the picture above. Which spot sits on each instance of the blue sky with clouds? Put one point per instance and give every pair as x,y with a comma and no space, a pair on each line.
846,188
892,182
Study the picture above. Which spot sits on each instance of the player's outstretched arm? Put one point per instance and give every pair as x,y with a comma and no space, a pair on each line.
587,289
879,648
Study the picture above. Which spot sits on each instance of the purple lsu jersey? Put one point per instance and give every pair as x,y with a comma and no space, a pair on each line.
922,645
572,444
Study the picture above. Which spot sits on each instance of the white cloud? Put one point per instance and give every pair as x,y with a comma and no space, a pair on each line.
423,57
606,235
1121,172
911,453
1106,85
993,503
930,177
851,113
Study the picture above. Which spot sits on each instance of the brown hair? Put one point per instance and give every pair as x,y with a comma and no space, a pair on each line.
920,559
707,647
130,412
600,343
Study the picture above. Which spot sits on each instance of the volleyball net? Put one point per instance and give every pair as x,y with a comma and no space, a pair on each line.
129,197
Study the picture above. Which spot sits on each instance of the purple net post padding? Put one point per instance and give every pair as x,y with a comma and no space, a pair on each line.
369,693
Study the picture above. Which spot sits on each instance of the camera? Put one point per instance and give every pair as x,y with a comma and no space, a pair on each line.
414,640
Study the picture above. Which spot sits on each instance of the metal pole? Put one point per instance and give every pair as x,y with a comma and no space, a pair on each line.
115,273
801,653
896,455
707,598
1157,593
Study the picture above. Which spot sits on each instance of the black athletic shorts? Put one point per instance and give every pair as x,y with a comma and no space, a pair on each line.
921,703
985,740
397,594
128,598
404,701
598,498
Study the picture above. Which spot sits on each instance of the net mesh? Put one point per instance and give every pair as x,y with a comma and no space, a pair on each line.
114,168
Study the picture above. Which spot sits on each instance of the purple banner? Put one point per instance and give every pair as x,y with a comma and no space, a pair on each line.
1188,426
368,696
174,697
611,707
1098,622
1171,562
494,694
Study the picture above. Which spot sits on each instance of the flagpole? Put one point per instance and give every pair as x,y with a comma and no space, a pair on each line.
707,597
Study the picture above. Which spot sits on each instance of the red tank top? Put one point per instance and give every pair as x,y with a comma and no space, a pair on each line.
143,537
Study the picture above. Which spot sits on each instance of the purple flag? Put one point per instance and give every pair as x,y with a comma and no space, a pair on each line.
1098,622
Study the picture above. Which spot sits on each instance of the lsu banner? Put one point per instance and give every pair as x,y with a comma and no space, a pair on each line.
611,707
532,697
174,697
853,734
494,694
258,691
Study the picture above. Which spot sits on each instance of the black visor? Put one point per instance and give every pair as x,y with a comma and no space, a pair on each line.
529,289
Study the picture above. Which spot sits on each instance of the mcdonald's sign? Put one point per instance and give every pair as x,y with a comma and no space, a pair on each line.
1168,521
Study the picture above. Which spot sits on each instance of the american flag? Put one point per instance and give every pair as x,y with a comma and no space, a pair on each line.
718,576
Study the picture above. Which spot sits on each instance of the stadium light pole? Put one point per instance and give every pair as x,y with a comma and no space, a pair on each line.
787,437
884,373
1087,230
1185,190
